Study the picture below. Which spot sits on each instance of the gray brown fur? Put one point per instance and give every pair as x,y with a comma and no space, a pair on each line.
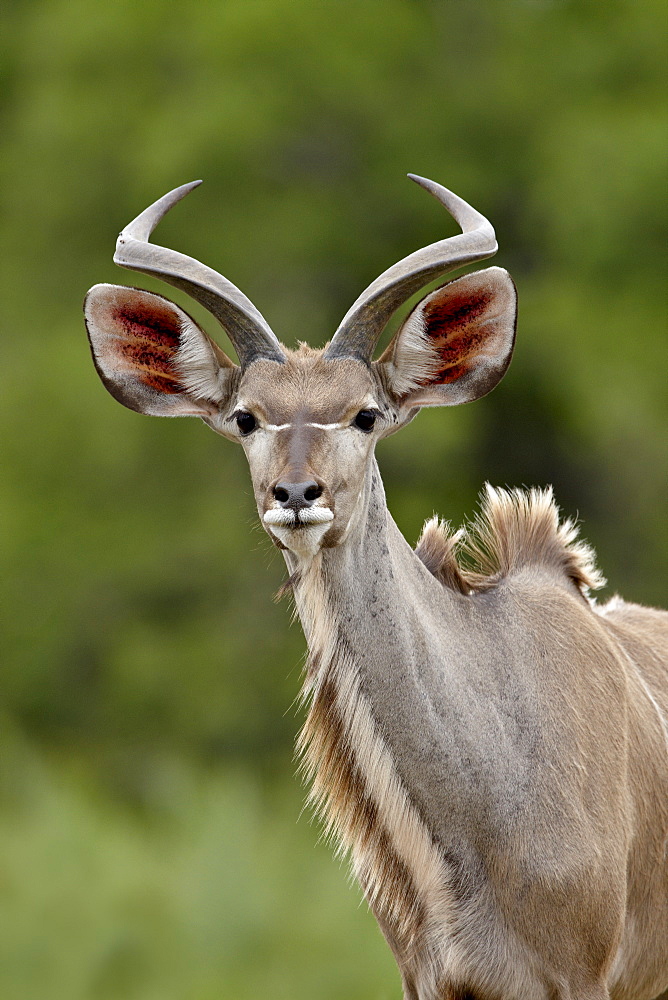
561,785
488,745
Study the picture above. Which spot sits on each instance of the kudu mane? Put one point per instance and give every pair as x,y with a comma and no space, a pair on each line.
515,529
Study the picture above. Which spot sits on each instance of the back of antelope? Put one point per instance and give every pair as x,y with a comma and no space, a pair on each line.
487,743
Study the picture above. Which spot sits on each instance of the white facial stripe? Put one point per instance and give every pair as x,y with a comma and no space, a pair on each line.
369,404
320,427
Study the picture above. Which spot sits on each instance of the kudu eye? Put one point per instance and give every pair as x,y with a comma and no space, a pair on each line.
246,422
365,420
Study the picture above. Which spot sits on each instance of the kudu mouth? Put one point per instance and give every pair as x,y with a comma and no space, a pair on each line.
298,513
302,531
298,507
286,518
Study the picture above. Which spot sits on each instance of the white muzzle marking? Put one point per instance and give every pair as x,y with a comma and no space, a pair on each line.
301,533
287,518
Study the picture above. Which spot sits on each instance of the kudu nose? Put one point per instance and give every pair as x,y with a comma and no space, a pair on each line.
296,496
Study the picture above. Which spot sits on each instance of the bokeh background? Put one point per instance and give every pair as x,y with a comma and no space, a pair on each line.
152,844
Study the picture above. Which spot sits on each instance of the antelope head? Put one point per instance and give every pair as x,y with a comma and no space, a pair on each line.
308,420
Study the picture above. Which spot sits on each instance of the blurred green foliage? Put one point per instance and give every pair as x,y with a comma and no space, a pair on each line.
147,830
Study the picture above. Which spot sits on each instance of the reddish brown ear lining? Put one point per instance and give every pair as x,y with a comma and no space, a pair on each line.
457,342
447,374
135,336
456,333
147,345
444,316
139,342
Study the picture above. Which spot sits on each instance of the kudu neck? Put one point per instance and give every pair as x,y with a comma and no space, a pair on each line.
372,581
370,525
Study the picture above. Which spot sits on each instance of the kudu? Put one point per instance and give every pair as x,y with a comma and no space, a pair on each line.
488,744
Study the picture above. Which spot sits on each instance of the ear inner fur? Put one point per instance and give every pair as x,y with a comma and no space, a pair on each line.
150,341
455,331
151,355
457,342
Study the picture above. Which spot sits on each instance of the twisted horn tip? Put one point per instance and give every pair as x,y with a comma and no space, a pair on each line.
142,227
417,178
441,193
464,214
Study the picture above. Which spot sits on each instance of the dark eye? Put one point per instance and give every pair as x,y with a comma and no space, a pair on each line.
246,422
365,420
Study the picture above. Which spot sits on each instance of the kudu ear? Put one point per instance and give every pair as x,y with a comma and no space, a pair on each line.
152,356
456,344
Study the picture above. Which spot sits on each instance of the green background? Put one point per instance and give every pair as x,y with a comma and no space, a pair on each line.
151,842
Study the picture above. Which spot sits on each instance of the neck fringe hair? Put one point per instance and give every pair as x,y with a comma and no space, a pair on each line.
357,793
514,529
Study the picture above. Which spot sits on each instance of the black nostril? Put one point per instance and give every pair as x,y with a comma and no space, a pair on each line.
297,495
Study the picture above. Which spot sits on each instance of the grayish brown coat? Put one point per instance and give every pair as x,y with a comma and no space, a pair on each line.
488,744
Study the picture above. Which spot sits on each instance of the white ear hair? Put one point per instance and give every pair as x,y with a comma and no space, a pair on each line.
414,360
202,371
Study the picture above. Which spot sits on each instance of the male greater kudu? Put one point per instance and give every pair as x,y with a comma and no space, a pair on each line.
488,744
